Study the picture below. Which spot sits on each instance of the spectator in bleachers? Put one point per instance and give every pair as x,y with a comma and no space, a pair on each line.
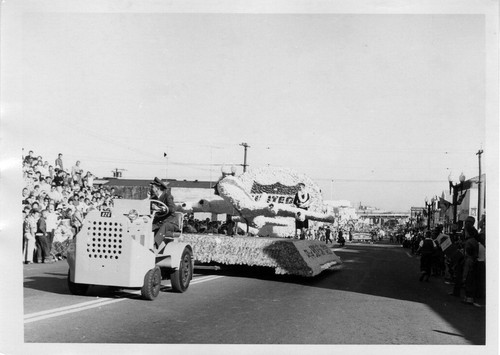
76,172
52,172
29,182
35,205
29,201
58,192
59,178
66,213
67,179
59,162
36,190
25,193
87,203
44,186
29,158
54,194
26,212
43,169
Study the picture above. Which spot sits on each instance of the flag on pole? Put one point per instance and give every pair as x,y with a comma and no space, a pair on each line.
443,204
461,197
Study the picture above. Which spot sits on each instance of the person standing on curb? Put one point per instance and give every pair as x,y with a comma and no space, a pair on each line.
328,233
427,249
43,252
481,262
58,162
30,227
52,222
471,248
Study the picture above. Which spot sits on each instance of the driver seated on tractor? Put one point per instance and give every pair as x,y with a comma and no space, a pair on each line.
164,221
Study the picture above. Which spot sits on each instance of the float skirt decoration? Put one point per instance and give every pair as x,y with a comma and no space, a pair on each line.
287,256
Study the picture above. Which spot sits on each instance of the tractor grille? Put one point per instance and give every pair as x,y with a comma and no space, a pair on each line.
104,240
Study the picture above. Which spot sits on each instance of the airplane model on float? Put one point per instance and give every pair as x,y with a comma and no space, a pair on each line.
262,197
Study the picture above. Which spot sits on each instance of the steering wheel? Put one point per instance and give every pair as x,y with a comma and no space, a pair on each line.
161,204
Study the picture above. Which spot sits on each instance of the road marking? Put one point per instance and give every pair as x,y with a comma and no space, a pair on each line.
208,278
56,312
29,318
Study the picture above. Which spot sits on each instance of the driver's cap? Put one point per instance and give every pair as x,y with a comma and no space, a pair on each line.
159,183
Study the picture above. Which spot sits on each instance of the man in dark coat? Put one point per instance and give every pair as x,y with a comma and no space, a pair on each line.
164,221
427,249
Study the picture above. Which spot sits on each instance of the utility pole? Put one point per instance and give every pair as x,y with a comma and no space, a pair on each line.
479,189
244,145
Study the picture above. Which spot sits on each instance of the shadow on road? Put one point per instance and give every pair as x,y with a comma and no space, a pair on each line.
56,282
383,271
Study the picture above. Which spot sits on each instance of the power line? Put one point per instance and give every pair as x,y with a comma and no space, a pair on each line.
380,180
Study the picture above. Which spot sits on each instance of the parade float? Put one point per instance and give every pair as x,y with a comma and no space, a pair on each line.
262,199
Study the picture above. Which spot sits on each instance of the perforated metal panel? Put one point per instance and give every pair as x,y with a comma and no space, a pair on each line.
105,239
109,252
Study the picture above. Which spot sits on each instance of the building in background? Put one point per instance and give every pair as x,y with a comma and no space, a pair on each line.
468,200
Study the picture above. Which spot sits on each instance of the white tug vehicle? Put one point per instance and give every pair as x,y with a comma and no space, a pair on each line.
116,248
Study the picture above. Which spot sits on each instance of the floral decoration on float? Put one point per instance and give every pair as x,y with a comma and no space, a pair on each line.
263,200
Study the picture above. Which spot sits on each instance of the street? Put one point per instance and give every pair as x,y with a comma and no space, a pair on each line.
375,298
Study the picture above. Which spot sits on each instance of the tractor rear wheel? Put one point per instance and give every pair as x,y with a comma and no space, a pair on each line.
181,277
152,284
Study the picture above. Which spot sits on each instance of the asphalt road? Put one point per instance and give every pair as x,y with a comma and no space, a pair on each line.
375,298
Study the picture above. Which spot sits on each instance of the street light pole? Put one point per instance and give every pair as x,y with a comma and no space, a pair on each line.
428,207
479,189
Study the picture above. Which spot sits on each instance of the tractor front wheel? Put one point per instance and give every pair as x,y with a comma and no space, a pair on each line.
181,277
152,284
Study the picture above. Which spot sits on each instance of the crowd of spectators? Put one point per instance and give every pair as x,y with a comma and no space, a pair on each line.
206,226
55,200
460,262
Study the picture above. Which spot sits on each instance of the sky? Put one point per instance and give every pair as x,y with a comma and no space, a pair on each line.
377,108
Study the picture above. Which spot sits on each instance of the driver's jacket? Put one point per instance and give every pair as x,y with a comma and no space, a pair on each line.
167,198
